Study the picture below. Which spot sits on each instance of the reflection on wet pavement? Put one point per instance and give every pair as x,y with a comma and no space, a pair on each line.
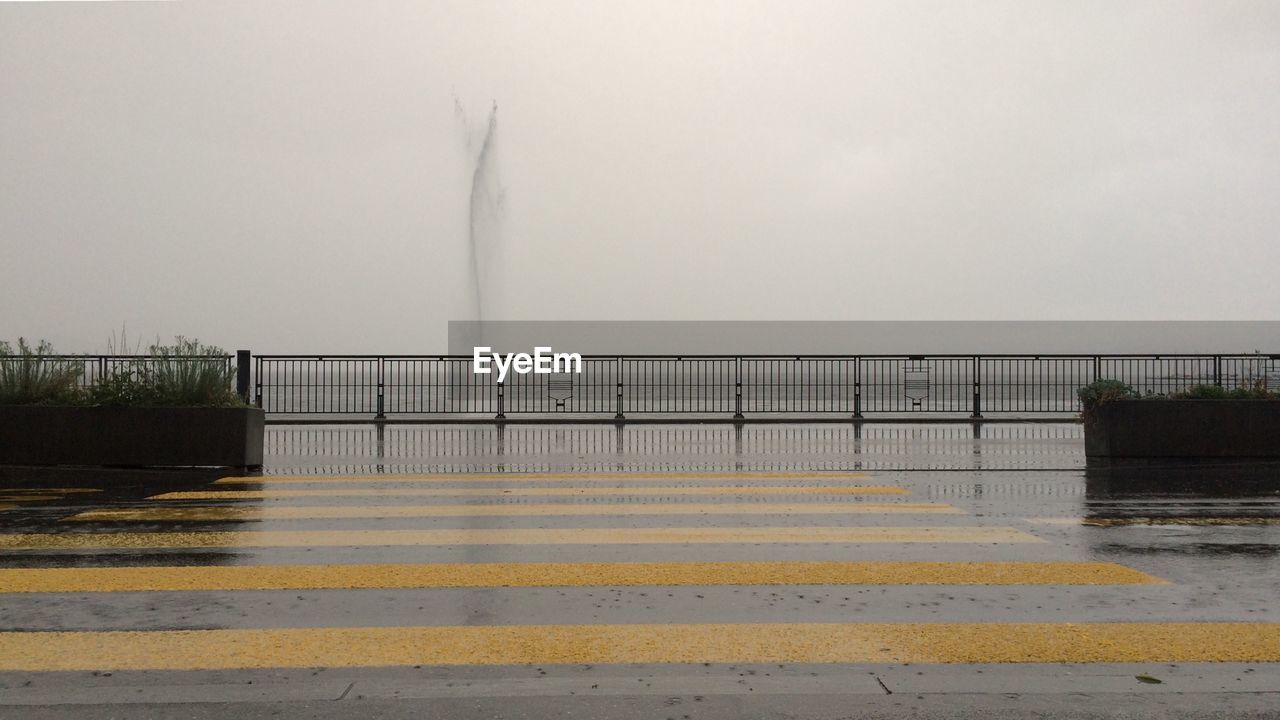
414,449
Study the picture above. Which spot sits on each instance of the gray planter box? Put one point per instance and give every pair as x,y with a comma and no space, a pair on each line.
1183,429
131,436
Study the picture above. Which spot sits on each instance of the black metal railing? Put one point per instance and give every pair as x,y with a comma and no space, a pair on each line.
711,386
732,385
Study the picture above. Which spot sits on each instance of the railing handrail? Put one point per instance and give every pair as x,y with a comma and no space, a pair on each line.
116,357
801,356
649,356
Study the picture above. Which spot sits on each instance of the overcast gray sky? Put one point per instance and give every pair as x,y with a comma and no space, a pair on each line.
295,177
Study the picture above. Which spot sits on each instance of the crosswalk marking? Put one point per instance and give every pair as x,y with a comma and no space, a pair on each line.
29,498
587,574
43,491
516,536
596,495
526,491
10,497
312,512
1063,521
647,643
607,476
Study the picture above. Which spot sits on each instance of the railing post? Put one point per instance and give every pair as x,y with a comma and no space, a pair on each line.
737,388
977,388
257,382
857,388
1217,370
501,414
381,392
242,375
618,371
1097,368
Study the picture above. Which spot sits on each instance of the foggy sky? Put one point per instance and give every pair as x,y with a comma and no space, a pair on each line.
294,177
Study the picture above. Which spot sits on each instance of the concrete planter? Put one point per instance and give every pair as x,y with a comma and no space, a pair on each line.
131,436
1183,429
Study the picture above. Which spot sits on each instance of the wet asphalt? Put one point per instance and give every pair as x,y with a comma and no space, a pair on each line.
1209,531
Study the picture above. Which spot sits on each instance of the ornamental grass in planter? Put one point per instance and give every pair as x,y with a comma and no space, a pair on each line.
174,406
185,374
1204,421
27,378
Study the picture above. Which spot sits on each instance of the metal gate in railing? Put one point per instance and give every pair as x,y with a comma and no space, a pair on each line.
731,385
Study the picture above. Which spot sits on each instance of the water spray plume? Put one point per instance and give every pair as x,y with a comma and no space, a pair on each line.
484,204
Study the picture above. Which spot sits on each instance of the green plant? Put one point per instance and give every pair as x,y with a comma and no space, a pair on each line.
120,386
1257,390
28,377
119,344
1201,392
1096,393
184,374
188,373
1102,391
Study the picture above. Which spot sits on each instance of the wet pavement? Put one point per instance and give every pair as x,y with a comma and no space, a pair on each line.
645,571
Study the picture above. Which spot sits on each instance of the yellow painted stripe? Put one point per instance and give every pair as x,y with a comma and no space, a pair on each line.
1065,521
489,477
460,575
41,491
29,498
516,536
241,513
652,643
527,491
